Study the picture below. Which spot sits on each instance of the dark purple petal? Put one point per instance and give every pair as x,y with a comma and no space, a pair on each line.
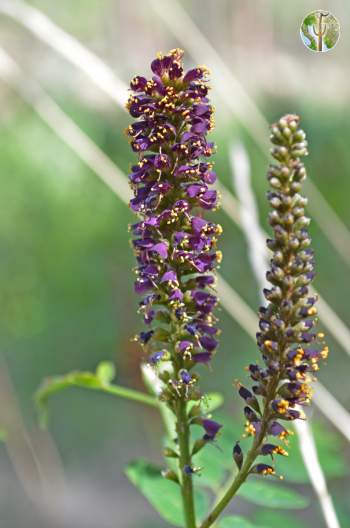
194,75
202,357
184,346
138,83
156,357
169,276
211,428
185,376
145,336
162,249
209,343
238,455
263,469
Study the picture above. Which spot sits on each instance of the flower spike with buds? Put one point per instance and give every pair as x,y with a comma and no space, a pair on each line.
290,347
174,245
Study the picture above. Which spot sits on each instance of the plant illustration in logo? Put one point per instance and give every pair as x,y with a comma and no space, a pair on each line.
320,31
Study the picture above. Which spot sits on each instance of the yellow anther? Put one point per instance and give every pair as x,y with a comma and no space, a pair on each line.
268,471
250,429
312,311
218,256
280,451
282,406
325,352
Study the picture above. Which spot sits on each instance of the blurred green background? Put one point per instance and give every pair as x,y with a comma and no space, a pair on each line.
66,263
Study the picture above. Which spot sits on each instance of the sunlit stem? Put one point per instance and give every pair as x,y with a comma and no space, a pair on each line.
183,434
320,30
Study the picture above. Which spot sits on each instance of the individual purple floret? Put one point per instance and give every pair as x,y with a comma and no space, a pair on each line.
175,246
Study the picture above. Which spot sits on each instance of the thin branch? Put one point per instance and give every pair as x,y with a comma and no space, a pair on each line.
257,252
249,215
65,127
34,457
10,72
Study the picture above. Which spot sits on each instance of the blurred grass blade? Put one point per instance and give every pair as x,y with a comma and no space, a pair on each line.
257,252
64,127
249,214
99,381
111,175
67,46
309,453
33,454
332,409
242,106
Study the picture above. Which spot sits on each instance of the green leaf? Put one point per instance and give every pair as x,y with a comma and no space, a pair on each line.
329,449
234,521
272,495
163,494
212,401
105,372
3,435
214,464
86,380
274,519
216,459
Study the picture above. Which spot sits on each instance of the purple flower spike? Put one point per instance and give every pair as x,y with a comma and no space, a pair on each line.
175,246
291,350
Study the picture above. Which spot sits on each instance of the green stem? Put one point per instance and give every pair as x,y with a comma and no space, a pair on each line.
249,460
183,434
131,394
54,385
236,484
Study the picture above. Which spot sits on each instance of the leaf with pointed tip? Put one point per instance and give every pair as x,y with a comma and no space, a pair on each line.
212,401
163,494
271,495
86,380
105,372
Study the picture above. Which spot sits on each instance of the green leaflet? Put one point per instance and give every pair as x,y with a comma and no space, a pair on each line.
275,519
211,402
105,372
3,435
234,521
163,494
264,493
101,381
